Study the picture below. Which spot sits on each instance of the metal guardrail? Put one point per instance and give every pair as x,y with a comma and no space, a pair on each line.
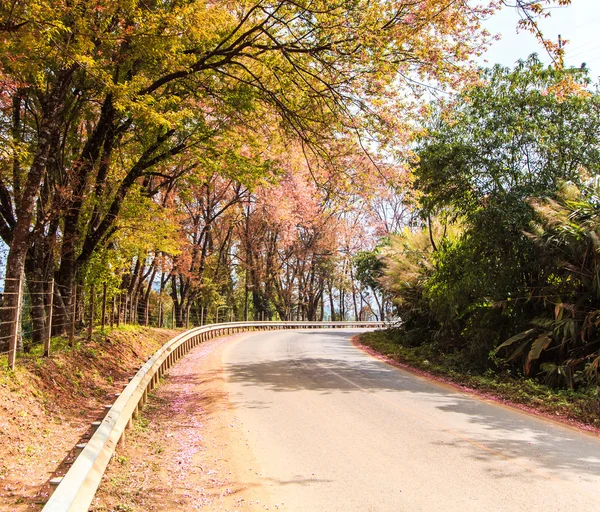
75,491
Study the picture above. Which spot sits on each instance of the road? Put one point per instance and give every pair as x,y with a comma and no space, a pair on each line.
333,429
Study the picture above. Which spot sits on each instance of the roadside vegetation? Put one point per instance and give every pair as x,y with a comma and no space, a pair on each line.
497,282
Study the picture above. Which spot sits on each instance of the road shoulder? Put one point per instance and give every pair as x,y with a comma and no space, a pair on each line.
186,451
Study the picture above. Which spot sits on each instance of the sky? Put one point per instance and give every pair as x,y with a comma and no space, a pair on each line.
579,23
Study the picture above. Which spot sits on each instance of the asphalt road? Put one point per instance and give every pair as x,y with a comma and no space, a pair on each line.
333,429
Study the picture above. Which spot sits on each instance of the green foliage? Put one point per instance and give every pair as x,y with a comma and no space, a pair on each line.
565,339
518,135
520,280
409,264
369,269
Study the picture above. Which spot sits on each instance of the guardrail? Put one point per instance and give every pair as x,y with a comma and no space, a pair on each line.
75,491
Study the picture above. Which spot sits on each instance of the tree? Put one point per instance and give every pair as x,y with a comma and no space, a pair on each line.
368,271
101,94
519,135
100,97
561,341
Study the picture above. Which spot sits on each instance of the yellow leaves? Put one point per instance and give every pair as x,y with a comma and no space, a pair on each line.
166,111
144,225
568,87
147,109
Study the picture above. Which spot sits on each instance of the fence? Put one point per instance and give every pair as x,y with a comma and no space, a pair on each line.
33,312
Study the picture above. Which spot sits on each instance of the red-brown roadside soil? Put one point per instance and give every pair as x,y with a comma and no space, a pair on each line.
47,405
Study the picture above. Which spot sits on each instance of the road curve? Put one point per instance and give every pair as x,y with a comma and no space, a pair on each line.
333,429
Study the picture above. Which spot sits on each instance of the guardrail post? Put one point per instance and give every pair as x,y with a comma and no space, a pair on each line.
54,483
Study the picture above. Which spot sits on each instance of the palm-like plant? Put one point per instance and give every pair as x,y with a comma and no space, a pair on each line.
564,339
409,261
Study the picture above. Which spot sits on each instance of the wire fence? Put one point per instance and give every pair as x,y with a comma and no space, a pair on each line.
34,313
37,315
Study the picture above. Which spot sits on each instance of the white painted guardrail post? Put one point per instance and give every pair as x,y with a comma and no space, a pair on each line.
75,491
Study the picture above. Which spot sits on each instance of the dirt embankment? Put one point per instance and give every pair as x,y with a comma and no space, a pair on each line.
48,404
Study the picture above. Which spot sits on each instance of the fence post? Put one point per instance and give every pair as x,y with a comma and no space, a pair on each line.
187,318
73,315
160,313
202,316
147,316
49,334
173,317
112,315
14,330
103,307
119,310
91,326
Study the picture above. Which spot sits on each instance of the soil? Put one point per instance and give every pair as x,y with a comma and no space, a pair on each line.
187,451
47,406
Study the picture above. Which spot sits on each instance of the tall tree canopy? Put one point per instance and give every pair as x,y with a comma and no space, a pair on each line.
102,99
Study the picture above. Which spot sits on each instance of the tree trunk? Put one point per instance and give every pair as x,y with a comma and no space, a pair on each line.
354,293
19,245
331,304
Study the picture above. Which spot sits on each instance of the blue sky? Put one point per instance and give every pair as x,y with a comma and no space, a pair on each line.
579,23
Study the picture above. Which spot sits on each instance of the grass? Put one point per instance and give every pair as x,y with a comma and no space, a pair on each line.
581,406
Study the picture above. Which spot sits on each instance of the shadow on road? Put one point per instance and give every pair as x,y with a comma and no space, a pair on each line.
486,429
